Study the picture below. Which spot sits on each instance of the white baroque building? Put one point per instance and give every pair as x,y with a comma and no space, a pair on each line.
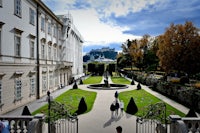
39,52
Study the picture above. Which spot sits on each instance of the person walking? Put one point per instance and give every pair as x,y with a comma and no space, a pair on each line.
112,109
121,105
119,129
116,95
116,108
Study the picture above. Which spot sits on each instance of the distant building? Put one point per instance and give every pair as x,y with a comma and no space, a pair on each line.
39,52
101,55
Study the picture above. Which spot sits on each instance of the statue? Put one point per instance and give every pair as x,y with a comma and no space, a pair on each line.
106,83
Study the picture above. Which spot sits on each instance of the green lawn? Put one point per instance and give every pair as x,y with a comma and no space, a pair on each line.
71,99
93,80
144,99
120,80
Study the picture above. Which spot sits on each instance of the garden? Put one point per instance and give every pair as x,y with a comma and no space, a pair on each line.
142,99
71,99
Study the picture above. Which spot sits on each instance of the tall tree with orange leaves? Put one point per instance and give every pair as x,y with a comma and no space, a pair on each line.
179,48
138,49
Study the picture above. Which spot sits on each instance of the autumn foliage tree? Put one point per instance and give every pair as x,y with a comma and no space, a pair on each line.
179,48
124,58
139,50
138,53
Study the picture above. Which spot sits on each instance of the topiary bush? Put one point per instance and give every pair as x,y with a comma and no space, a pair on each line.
81,82
191,113
82,107
139,86
75,86
132,107
26,111
132,82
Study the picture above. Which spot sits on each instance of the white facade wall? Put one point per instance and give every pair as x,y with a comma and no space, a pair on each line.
55,68
13,21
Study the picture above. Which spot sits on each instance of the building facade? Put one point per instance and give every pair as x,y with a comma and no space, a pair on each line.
39,52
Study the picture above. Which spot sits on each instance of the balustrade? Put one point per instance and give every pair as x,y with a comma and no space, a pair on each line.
24,124
184,125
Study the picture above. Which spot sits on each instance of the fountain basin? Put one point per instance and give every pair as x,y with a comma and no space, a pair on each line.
111,86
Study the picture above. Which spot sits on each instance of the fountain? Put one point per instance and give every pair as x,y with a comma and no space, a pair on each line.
107,85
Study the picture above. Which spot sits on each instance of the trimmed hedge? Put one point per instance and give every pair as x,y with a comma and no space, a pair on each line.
82,107
132,107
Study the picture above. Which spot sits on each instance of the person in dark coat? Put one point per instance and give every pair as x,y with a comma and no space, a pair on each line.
116,108
119,129
112,109
116,94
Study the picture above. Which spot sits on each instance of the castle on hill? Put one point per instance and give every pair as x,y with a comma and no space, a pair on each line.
104,54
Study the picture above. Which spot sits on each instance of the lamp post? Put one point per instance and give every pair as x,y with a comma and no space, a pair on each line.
49,107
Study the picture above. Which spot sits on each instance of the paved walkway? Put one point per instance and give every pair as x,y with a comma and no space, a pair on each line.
98,120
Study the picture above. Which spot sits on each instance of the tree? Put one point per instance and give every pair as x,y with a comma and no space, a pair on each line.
138,51
179,48
123,60
91,67
132,107
82,107
75,86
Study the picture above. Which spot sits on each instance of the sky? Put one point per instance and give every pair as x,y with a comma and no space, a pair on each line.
109,23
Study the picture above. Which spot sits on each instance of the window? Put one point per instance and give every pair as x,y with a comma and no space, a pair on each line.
60,53
56,78
60,34
49,52
44,82
54,31
0,39
42,24
51,79
18,89
32,48
18,8
0,91
49,28
32,16
43,51
55,53
17,45
32,85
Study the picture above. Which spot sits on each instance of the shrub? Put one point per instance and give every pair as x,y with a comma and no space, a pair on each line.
184,79
82,107
139,86
26,111
132,82
132,107
81,82
191,113
75,86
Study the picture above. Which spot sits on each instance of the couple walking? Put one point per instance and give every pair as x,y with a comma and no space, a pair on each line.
115,106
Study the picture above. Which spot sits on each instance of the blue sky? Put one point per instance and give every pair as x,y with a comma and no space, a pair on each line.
105,23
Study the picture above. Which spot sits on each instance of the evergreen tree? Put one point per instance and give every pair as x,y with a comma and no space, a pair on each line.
82,107
132,107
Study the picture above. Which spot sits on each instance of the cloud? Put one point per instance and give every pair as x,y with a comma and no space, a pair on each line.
104,22
96,32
